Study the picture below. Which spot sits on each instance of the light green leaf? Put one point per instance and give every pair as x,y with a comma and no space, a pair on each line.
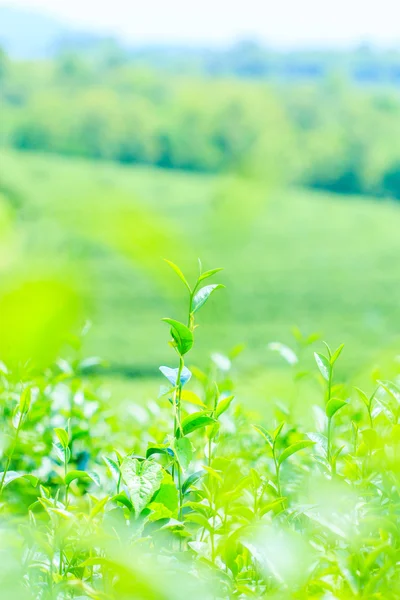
203,295
209,273
333,406
183,452
195,421
143,480
167,495
13,475
192,398
286,353
323,365
363,397
113,466
320,439
391,389
25,400
62,436
223,405
277,431
177,270
262,431
181,334
336,354
293,449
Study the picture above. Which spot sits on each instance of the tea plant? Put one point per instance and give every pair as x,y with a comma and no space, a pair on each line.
194,495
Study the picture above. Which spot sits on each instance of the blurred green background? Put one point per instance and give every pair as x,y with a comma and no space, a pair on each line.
283,167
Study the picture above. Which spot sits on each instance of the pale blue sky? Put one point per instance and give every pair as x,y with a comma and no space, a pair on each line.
279,22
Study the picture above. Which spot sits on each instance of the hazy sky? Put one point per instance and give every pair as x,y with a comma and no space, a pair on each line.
283,22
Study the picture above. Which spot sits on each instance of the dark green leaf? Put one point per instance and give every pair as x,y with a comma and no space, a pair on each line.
72,475
159,449
181,334
191,480
195,421
123,499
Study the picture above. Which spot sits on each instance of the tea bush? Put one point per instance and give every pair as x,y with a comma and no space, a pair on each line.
193,495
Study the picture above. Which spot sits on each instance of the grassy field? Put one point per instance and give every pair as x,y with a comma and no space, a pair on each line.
322,262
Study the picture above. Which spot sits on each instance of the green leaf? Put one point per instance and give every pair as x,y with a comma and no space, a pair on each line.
336,354
192,398
143,480
262,431
72,475
223,405
370,437
203,295
208,274
122,498
277,431
191,480
158,449
391,389
167,495
320,439
181,334
293,449
195,421
323,365
333,406
64,454
25,400
286,353
183,452
62,436
177,270
13,475
113,466
363,397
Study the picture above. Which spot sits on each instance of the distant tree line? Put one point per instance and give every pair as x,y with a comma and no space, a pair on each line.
331,135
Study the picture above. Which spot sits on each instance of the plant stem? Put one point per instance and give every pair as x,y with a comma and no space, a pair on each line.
10,455
278,479
329,451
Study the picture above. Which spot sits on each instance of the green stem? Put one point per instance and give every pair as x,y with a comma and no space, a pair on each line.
329,451
278,479
10,455
66,486
178,426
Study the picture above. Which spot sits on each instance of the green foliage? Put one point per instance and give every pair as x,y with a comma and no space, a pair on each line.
329,135
234,511
290,256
